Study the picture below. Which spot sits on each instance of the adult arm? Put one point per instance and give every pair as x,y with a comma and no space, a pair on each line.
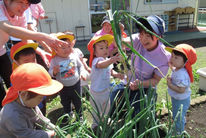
25,34
146,83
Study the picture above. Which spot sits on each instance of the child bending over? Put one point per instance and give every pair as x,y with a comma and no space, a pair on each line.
20,113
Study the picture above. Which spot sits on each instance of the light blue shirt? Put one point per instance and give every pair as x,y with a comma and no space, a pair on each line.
100,78
180,78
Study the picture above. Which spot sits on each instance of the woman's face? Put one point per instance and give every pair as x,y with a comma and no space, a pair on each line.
149,42
107,28
16,7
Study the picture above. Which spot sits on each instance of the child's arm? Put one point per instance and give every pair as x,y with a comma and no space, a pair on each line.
53,69
44,55
173,87
83,60
107,62
117,75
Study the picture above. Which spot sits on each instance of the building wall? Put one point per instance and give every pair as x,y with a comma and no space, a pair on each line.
202,4
66,15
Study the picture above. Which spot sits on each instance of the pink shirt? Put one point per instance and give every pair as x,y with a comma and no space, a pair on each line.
16,21
37,11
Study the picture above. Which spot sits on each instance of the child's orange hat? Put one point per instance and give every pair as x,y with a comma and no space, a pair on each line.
61,35
18,47
31,77
190,53
96,39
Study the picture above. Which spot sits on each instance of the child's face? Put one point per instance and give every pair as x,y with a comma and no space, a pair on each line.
107,28
31,102
101,49
65,51
149,42
16,7
177,61
27,59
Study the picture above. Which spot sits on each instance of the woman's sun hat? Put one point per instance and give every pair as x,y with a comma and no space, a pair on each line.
109,38
31,77
157,24
190,53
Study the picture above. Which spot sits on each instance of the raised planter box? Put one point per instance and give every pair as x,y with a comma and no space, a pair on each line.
202,82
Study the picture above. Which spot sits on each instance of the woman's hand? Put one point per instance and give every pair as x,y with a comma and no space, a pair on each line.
134,85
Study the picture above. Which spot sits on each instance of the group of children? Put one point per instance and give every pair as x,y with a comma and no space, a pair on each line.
30,81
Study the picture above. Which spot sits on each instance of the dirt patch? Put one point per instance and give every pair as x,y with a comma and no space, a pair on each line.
196,121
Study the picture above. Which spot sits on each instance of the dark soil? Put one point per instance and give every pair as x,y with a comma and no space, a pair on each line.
196,121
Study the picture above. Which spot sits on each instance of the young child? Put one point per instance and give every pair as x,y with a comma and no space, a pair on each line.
87,69
23,52
67,68
20,113
100,74
183,57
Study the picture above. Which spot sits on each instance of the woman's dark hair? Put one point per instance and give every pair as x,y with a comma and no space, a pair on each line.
178,53
24,52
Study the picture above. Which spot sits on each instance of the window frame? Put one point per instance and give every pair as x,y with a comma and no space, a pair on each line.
161,2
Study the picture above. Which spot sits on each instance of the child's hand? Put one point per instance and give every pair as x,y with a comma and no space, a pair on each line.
169,80
51,133
55,70
115,58
83,77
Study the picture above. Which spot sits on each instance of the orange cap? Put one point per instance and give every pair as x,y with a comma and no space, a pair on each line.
31,77
96,39
190,53
18,47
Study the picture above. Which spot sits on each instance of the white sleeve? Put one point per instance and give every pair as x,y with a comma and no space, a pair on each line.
51,68
2,15
29,19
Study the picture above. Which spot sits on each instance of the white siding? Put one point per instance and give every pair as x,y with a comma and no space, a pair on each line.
66,14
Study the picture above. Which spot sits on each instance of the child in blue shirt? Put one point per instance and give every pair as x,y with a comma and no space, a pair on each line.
183,56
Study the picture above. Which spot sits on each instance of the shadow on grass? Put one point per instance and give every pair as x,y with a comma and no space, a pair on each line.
55,114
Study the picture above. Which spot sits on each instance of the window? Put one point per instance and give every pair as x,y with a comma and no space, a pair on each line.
99,5
160,1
